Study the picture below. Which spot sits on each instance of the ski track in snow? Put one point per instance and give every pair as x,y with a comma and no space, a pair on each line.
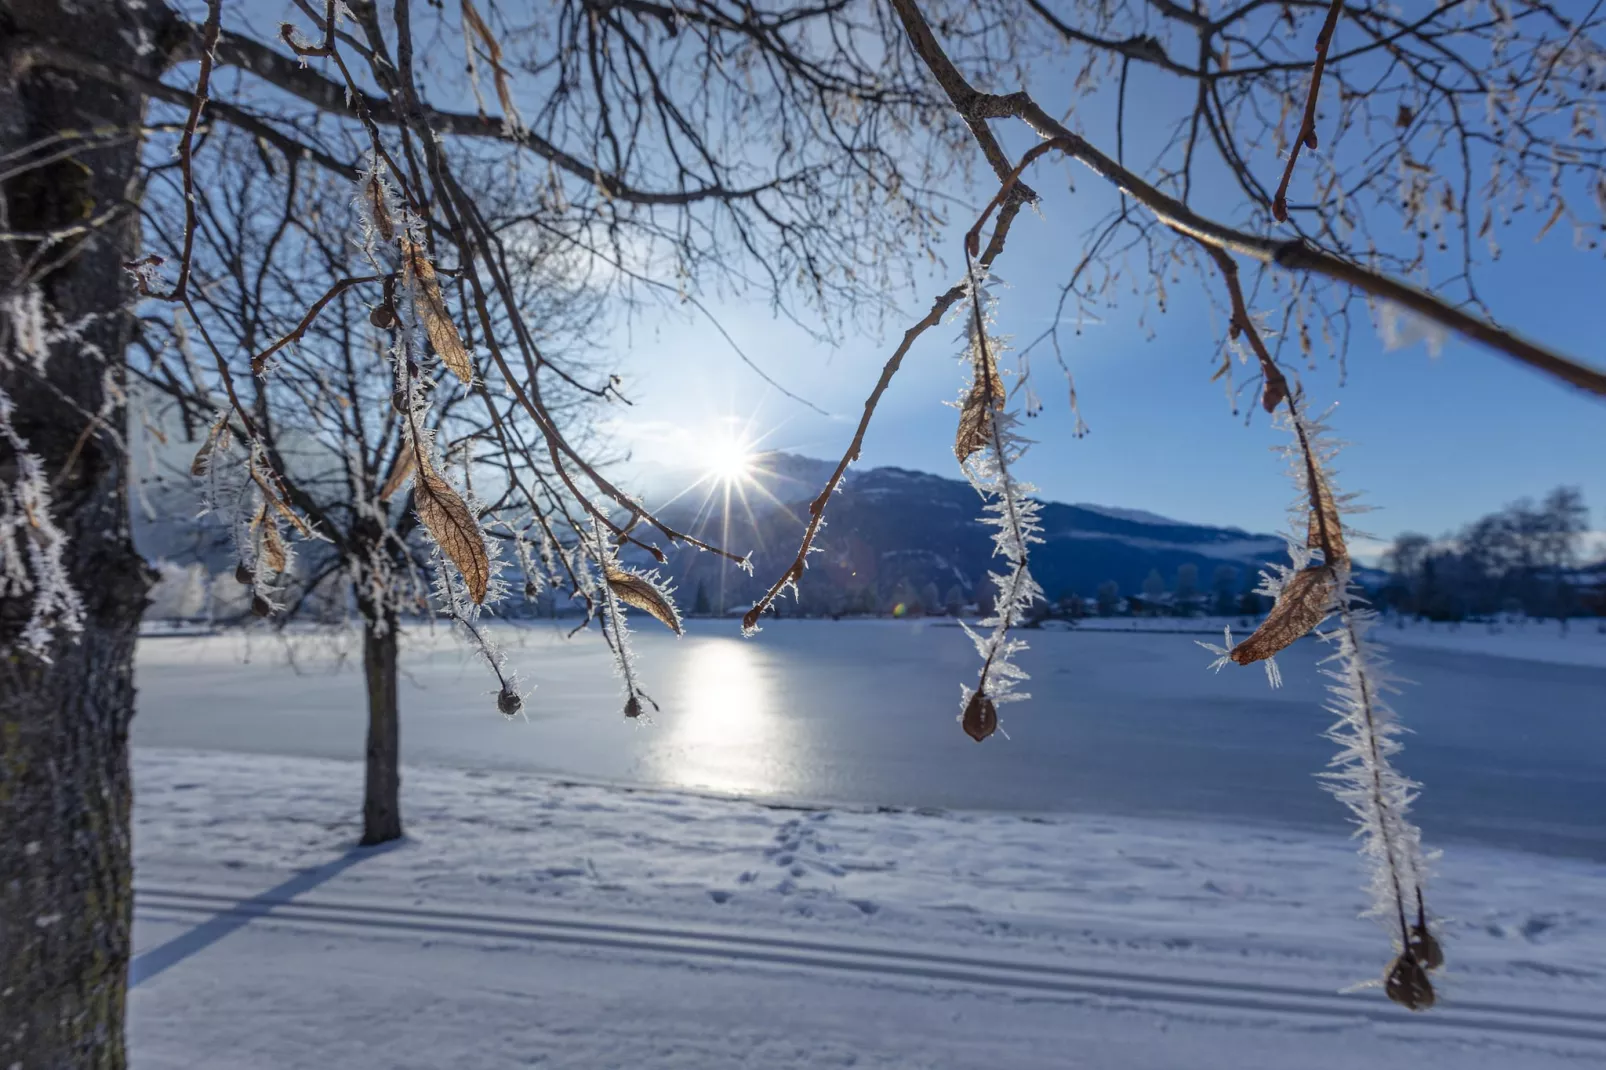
1216,932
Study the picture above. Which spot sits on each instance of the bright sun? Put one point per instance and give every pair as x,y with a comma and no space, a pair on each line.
728,459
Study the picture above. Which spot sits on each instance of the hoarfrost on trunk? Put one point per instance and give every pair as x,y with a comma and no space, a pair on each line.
32,546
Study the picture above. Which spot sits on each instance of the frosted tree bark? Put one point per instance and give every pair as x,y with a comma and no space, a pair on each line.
65,871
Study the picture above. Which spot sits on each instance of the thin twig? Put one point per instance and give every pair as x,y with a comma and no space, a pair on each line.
186,145
261,359
939,308
1289,254
1306,137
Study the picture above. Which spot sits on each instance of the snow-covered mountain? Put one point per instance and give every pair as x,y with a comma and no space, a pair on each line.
894,529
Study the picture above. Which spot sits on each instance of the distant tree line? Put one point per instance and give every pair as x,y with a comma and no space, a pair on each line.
1523,559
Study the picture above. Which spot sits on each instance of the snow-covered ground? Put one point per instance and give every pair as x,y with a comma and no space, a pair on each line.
528,921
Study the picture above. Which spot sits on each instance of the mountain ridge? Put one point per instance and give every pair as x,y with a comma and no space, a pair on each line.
892,533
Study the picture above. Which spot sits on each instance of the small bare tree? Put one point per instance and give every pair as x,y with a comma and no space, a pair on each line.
331,420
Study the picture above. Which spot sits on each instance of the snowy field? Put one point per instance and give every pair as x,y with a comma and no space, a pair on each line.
1511,749
528,921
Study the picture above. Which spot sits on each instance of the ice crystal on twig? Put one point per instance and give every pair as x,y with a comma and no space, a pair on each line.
1316,587
988,447
615,627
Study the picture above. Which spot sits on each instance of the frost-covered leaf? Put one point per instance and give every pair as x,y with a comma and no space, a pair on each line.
438,322
986,396
1275,391
274,554
444,512
1326,529
1304,602
399,475
641,592
270,495
203,456
378,204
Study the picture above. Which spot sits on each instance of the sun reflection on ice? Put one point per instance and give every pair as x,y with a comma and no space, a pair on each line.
722,730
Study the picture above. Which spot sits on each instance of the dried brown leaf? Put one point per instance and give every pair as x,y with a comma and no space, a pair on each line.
203,456
379,209
271,496
1555,217
274,554
975,416
980,719
290,515
1301,606
438,322
1276,390
473,21
638,591
399,475
1326,529
444,512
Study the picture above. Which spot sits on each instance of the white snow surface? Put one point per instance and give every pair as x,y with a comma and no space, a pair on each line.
528,920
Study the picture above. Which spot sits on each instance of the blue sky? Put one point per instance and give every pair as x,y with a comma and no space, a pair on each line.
1435,441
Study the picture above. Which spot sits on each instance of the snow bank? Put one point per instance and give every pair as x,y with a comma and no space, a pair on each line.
1170,898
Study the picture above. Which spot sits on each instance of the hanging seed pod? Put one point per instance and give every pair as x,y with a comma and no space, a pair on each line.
1424,947
383,317
260,606
531,591
243,576
980,719
633,708
509,702
1407,983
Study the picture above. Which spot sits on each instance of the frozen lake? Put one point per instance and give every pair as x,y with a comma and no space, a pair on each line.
1511,752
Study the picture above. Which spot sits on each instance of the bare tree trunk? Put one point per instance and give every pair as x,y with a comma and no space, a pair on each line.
381,807
65,866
